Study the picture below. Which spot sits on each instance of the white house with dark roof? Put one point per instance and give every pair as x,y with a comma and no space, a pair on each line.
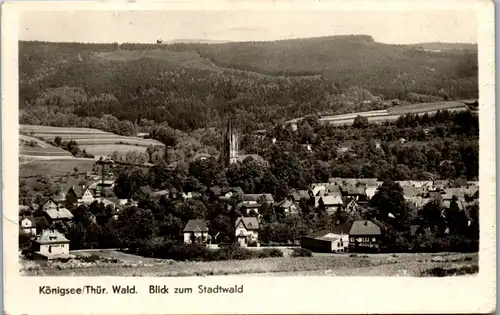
331,202
247,230
364,235
196,232
51,243
334,240
287,207
27,224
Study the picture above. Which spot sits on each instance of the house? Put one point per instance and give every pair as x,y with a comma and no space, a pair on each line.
251,198
287,207
350,205
100,186
335,240
77,195
248,207
196,232
191,195
51,243
59,214
449,193
247,231
356,192
331,203
364,236
370,191
49,204
27,224
159,194
232,192
107,203
299,195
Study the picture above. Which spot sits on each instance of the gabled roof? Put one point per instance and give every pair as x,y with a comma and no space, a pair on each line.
49,200
250,223
51,237
251,197
196,226
450,192
268,198
249,205
285,204
28,217
364,227
42,222
60,213
236,190
78,190
332,200
300,194
413,191
353,190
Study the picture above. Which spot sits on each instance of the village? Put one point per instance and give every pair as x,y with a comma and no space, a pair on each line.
347,195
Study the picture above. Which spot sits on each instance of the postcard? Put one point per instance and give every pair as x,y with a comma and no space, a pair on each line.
248,157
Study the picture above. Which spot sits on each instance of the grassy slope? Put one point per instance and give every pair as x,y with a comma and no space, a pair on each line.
85,136
55,167
371,265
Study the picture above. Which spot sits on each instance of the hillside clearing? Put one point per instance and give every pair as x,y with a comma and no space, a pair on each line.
55,167
82,136
108,149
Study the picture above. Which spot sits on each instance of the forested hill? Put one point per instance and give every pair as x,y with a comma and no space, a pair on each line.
189,85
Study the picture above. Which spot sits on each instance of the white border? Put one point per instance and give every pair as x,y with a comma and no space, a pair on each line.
470,294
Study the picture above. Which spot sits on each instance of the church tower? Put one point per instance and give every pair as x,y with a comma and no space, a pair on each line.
230,145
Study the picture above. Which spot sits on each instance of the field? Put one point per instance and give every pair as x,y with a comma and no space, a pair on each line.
393,113
39,148
327,265
94,141
55,167
107,149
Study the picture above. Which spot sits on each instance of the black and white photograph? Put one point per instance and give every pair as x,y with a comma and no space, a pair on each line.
252,143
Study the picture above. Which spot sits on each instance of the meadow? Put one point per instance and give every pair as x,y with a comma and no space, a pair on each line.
55,167
95,142
393,113
328,265
31,146
108,149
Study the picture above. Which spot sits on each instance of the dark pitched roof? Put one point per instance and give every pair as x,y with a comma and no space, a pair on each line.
196,226
42,222
78,190
250,223
353,190
364,227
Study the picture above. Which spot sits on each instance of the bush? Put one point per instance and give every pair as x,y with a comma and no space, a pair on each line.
301,252
270,252
446,272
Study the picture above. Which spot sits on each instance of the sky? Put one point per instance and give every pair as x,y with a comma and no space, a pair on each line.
392,27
